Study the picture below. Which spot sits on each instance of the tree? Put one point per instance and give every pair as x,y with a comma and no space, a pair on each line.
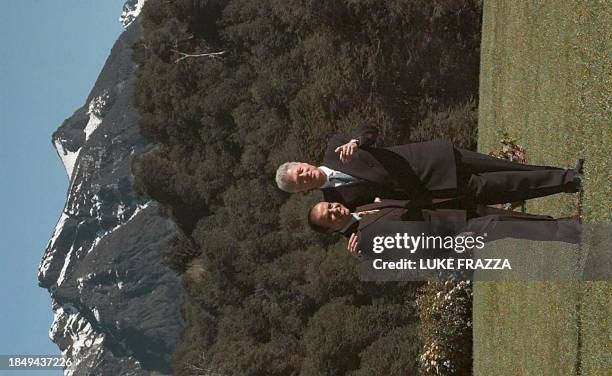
230,89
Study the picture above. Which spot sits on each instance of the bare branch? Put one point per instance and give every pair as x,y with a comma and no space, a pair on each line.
198,370
183,55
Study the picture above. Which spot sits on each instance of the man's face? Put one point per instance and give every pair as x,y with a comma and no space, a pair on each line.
306,177
331,215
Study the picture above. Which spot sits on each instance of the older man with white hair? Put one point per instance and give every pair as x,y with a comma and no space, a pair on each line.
354,172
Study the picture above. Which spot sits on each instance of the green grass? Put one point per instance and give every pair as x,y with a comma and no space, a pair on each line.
546,78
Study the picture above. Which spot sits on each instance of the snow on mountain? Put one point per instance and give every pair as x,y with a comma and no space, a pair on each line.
131,10
46,261
69,323
116,306
96,109
68,157
97,106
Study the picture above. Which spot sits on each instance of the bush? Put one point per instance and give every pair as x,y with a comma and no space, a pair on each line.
445,312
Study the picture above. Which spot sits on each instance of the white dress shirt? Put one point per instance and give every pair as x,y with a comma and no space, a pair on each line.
337,178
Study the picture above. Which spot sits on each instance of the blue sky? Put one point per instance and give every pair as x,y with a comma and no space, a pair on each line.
50,55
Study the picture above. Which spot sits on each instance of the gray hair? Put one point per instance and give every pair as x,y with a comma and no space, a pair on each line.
282,177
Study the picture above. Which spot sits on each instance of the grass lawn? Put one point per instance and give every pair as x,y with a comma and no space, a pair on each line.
546,78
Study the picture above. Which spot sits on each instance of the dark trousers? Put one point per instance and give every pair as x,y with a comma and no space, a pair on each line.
507,224
489,180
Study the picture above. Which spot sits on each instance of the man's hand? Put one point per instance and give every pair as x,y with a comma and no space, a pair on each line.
346,151
352,245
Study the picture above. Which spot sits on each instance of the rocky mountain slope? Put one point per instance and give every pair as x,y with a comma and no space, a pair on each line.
116,307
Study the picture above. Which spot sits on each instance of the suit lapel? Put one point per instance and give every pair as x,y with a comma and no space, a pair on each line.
391,210
394,209
383,204
373,218
363,166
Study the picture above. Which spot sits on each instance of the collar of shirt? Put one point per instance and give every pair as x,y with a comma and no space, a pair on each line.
354,218
329,174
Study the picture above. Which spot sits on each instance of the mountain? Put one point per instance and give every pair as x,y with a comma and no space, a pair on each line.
116,306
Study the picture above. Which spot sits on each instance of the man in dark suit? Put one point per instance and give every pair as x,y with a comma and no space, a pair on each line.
354,172
437,218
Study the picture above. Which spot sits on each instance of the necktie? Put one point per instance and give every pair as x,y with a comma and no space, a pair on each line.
339,178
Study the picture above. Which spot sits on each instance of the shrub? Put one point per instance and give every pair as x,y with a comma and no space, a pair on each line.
445,312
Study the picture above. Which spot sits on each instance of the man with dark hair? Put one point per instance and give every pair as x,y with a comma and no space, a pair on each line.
330,217
354,171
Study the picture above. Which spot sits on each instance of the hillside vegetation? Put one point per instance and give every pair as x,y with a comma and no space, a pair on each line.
264,295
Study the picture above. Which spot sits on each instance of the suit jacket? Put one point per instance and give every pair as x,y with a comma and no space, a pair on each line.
417,171
394,218
442,218
438,212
